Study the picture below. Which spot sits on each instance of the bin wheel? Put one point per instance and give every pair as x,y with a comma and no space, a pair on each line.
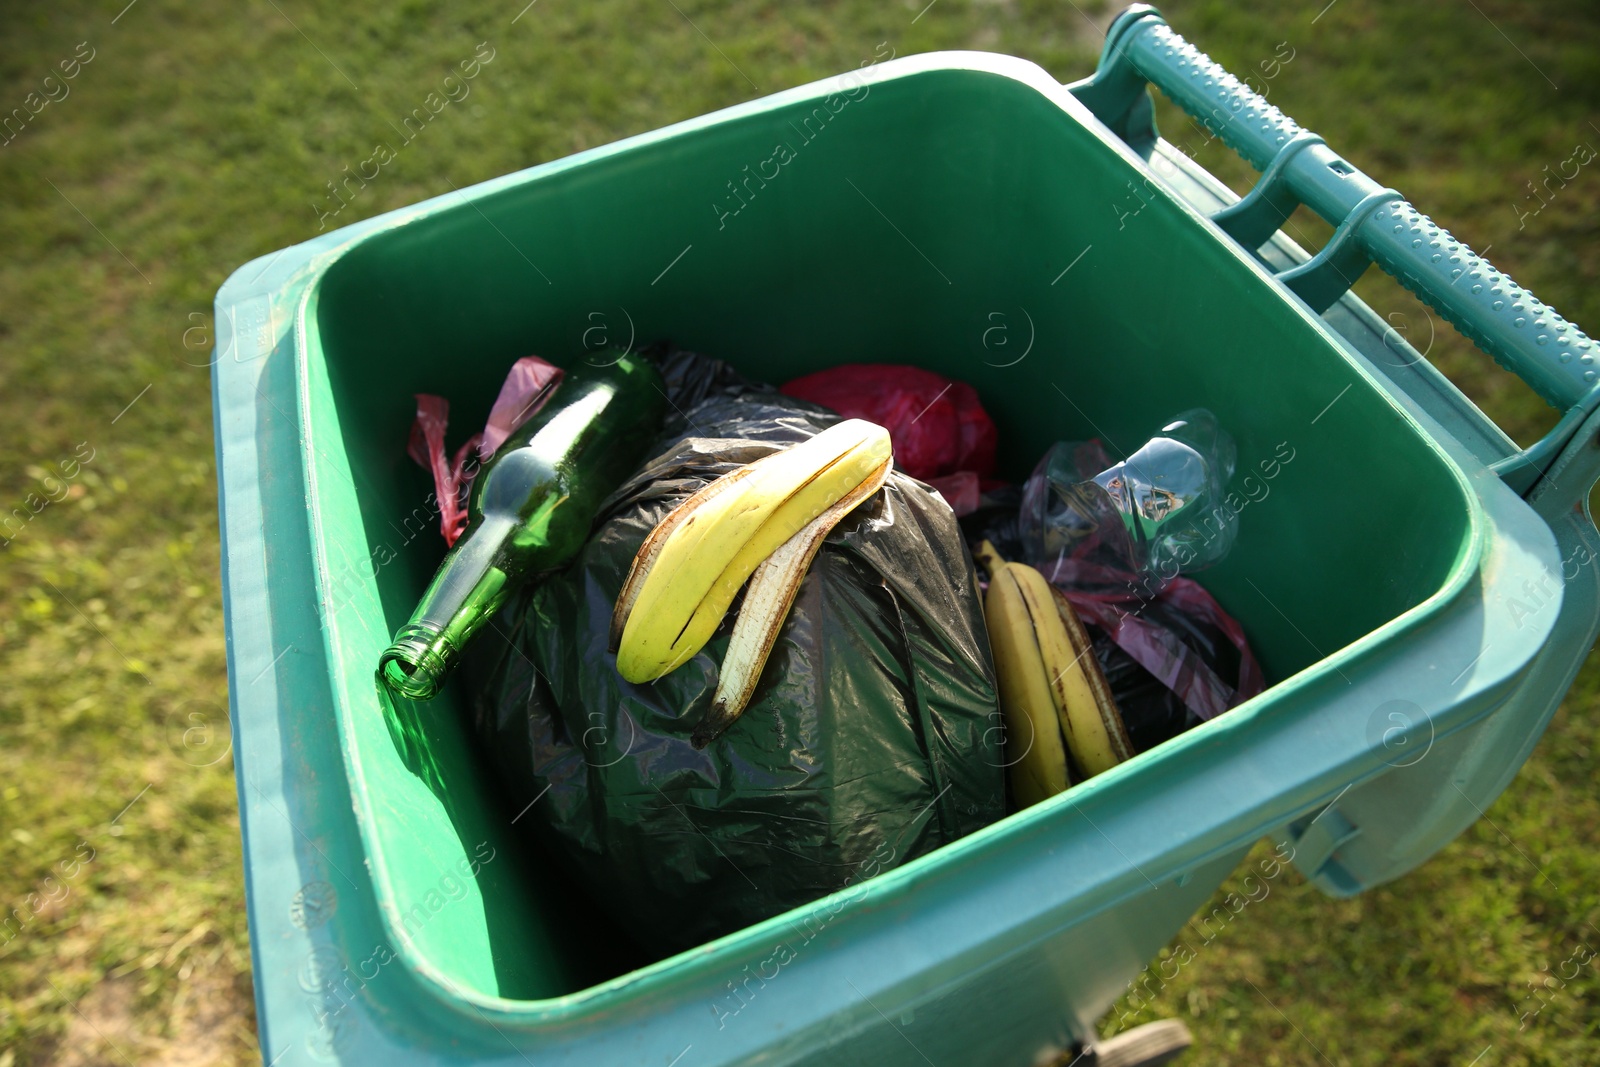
1144,1046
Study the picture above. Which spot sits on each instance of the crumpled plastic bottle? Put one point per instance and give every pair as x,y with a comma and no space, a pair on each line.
1155,515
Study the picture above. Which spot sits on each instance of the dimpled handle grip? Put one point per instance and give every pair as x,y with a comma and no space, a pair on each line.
1513,326
1226,106
1519,330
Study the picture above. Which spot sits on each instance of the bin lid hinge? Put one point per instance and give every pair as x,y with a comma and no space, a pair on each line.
1327,832
1556,472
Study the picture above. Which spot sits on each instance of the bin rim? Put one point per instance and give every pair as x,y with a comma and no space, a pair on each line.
892,886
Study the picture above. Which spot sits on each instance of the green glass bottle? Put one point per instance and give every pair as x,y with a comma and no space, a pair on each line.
530,512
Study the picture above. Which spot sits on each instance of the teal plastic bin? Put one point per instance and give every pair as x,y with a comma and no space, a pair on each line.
1420,590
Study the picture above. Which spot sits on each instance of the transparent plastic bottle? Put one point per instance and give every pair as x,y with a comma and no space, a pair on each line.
1157,514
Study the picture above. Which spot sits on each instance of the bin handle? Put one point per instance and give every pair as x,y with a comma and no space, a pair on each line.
1372,224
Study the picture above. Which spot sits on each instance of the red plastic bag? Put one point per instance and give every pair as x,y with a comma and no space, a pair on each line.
938,427
526,388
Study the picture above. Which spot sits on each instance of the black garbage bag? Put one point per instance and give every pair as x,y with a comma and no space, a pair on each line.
872,738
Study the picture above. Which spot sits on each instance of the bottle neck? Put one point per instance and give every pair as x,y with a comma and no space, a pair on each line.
468,589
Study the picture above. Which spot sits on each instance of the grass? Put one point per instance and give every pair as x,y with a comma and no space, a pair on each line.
196,138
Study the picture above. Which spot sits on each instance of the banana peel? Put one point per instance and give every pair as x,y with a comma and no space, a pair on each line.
764,523
1054,697
1035,749
767,601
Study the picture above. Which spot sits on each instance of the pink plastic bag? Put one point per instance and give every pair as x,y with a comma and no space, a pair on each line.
1114,606
526,388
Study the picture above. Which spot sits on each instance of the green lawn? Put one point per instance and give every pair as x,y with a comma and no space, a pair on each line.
195,138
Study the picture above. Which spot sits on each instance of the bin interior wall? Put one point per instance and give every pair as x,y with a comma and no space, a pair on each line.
929,219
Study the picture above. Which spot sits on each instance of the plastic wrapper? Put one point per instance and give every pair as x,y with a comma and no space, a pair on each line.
941,433
1151,708
872,737
1177,636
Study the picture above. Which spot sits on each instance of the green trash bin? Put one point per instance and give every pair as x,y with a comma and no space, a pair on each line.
1418,588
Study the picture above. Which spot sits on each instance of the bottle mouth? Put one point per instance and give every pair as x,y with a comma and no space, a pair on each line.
417,663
